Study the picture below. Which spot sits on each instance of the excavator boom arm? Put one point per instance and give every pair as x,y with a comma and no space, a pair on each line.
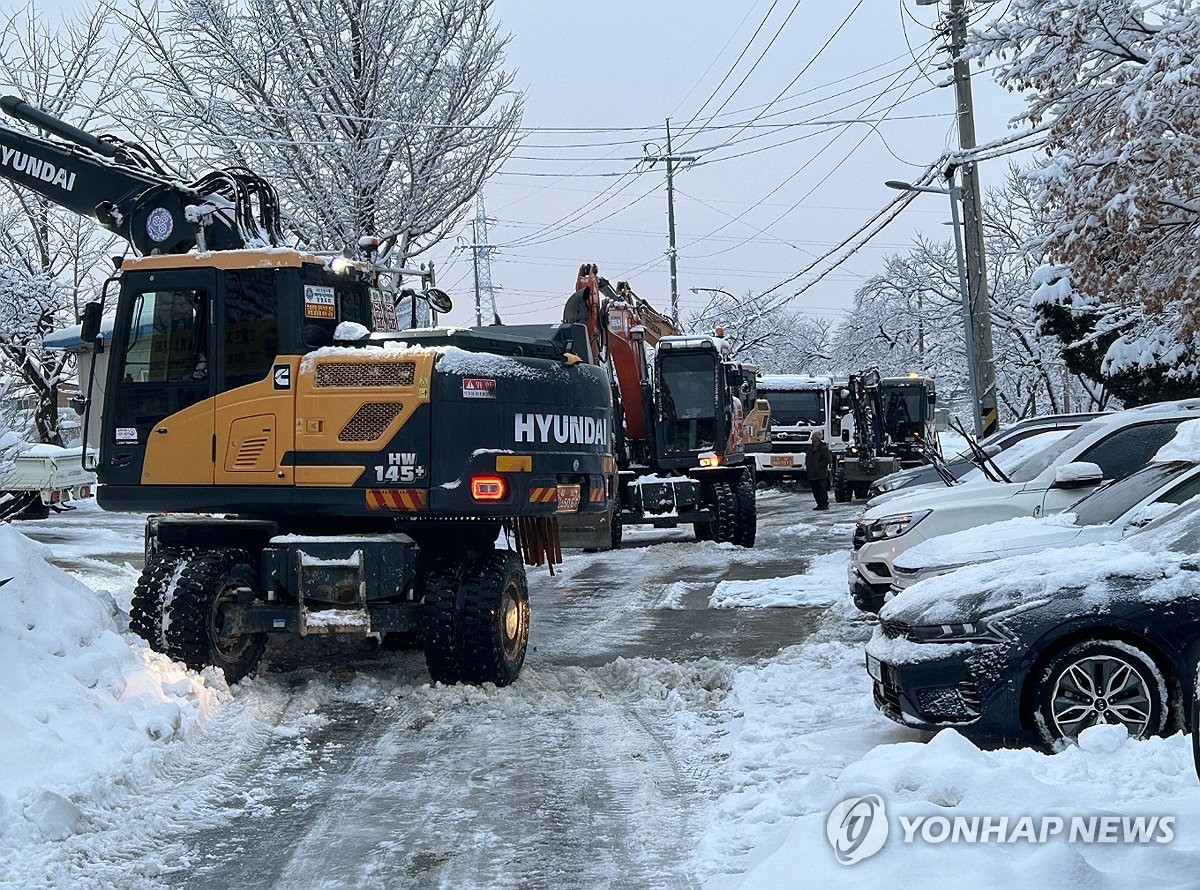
129,194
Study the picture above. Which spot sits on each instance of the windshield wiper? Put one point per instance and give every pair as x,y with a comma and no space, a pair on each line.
989,467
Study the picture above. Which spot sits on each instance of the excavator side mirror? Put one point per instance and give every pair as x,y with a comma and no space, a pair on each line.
438,299
90,323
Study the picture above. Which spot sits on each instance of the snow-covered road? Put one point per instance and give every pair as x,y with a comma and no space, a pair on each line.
346,768
688,716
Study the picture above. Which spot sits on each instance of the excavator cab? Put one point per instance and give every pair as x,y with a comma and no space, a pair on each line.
204,361
695,400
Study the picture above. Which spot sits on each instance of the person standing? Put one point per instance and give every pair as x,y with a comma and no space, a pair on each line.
817,461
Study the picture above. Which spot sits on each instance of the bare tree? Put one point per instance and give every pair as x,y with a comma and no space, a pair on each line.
52,257
758,329
369,116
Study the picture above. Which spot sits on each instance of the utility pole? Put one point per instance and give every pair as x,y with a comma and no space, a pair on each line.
671,160
983,369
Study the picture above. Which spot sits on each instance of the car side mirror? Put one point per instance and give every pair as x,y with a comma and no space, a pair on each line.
90,323
1078,474
992,450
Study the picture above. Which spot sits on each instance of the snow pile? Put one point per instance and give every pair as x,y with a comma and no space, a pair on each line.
1185,445
1105,775
80,706
795,722
824,583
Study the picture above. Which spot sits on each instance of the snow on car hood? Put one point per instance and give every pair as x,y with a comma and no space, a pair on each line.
925,499
981,590
1024,534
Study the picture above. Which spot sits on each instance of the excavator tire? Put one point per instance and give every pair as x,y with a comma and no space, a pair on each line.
616,529
146,607
724,503
842,490
476,617
195,613
747,512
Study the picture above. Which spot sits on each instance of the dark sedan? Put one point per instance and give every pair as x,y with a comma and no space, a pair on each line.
1039,648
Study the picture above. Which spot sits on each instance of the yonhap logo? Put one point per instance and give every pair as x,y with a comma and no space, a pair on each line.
857,828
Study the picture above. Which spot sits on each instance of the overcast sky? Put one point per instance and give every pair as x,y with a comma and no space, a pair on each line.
600,80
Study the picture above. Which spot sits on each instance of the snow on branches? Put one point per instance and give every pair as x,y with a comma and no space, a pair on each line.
371,117
1118,84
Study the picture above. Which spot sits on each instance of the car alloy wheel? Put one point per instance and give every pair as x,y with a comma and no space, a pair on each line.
1098,682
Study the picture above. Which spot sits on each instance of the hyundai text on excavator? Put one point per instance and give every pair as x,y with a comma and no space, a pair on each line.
679,426
363,476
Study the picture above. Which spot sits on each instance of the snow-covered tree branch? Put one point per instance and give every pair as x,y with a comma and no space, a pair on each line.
369,116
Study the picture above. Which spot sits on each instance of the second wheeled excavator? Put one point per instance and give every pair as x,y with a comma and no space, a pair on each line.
678,421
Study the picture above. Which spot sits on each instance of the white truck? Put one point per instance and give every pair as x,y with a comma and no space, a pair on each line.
36,478
800,405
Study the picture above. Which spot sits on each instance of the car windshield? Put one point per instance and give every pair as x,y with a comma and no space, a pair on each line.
791,407
1035,463
1178,531
1020,452
1113,501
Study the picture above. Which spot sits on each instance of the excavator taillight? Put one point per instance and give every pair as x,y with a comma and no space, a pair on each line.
489,488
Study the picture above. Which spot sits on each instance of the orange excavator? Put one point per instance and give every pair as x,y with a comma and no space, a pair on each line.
678,421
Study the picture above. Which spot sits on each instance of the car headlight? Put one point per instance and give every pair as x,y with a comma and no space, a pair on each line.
893,526
883,486
986,630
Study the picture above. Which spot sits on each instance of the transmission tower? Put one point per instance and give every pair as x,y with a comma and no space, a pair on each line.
481,253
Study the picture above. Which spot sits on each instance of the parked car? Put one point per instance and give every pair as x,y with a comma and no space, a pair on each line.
1039,648
1106,514
1109,447
1043,429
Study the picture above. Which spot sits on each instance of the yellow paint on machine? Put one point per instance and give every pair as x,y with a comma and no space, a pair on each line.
179,448
240,437
330,477
514,463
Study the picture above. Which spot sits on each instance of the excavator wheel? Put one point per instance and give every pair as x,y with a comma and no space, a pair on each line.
199,610
616,529
476,617
146,607
724,503
842,490
747,512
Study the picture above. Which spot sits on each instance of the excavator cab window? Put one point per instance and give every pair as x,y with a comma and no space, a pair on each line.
251,326
689,406
167,340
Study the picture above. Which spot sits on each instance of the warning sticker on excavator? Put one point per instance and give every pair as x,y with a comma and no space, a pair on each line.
478,388
319,302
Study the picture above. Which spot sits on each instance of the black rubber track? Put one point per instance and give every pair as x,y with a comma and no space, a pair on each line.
842,490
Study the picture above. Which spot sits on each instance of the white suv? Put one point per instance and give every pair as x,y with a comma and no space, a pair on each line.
1050,481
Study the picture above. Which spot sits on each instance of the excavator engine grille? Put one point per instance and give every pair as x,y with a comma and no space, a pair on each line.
370,421
365,374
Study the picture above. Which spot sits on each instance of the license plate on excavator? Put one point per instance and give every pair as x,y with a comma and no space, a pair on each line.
568,498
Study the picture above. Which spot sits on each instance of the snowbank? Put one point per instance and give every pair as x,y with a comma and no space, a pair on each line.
82,708
1107,774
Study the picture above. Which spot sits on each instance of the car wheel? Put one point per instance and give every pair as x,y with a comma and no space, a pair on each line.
1095,682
